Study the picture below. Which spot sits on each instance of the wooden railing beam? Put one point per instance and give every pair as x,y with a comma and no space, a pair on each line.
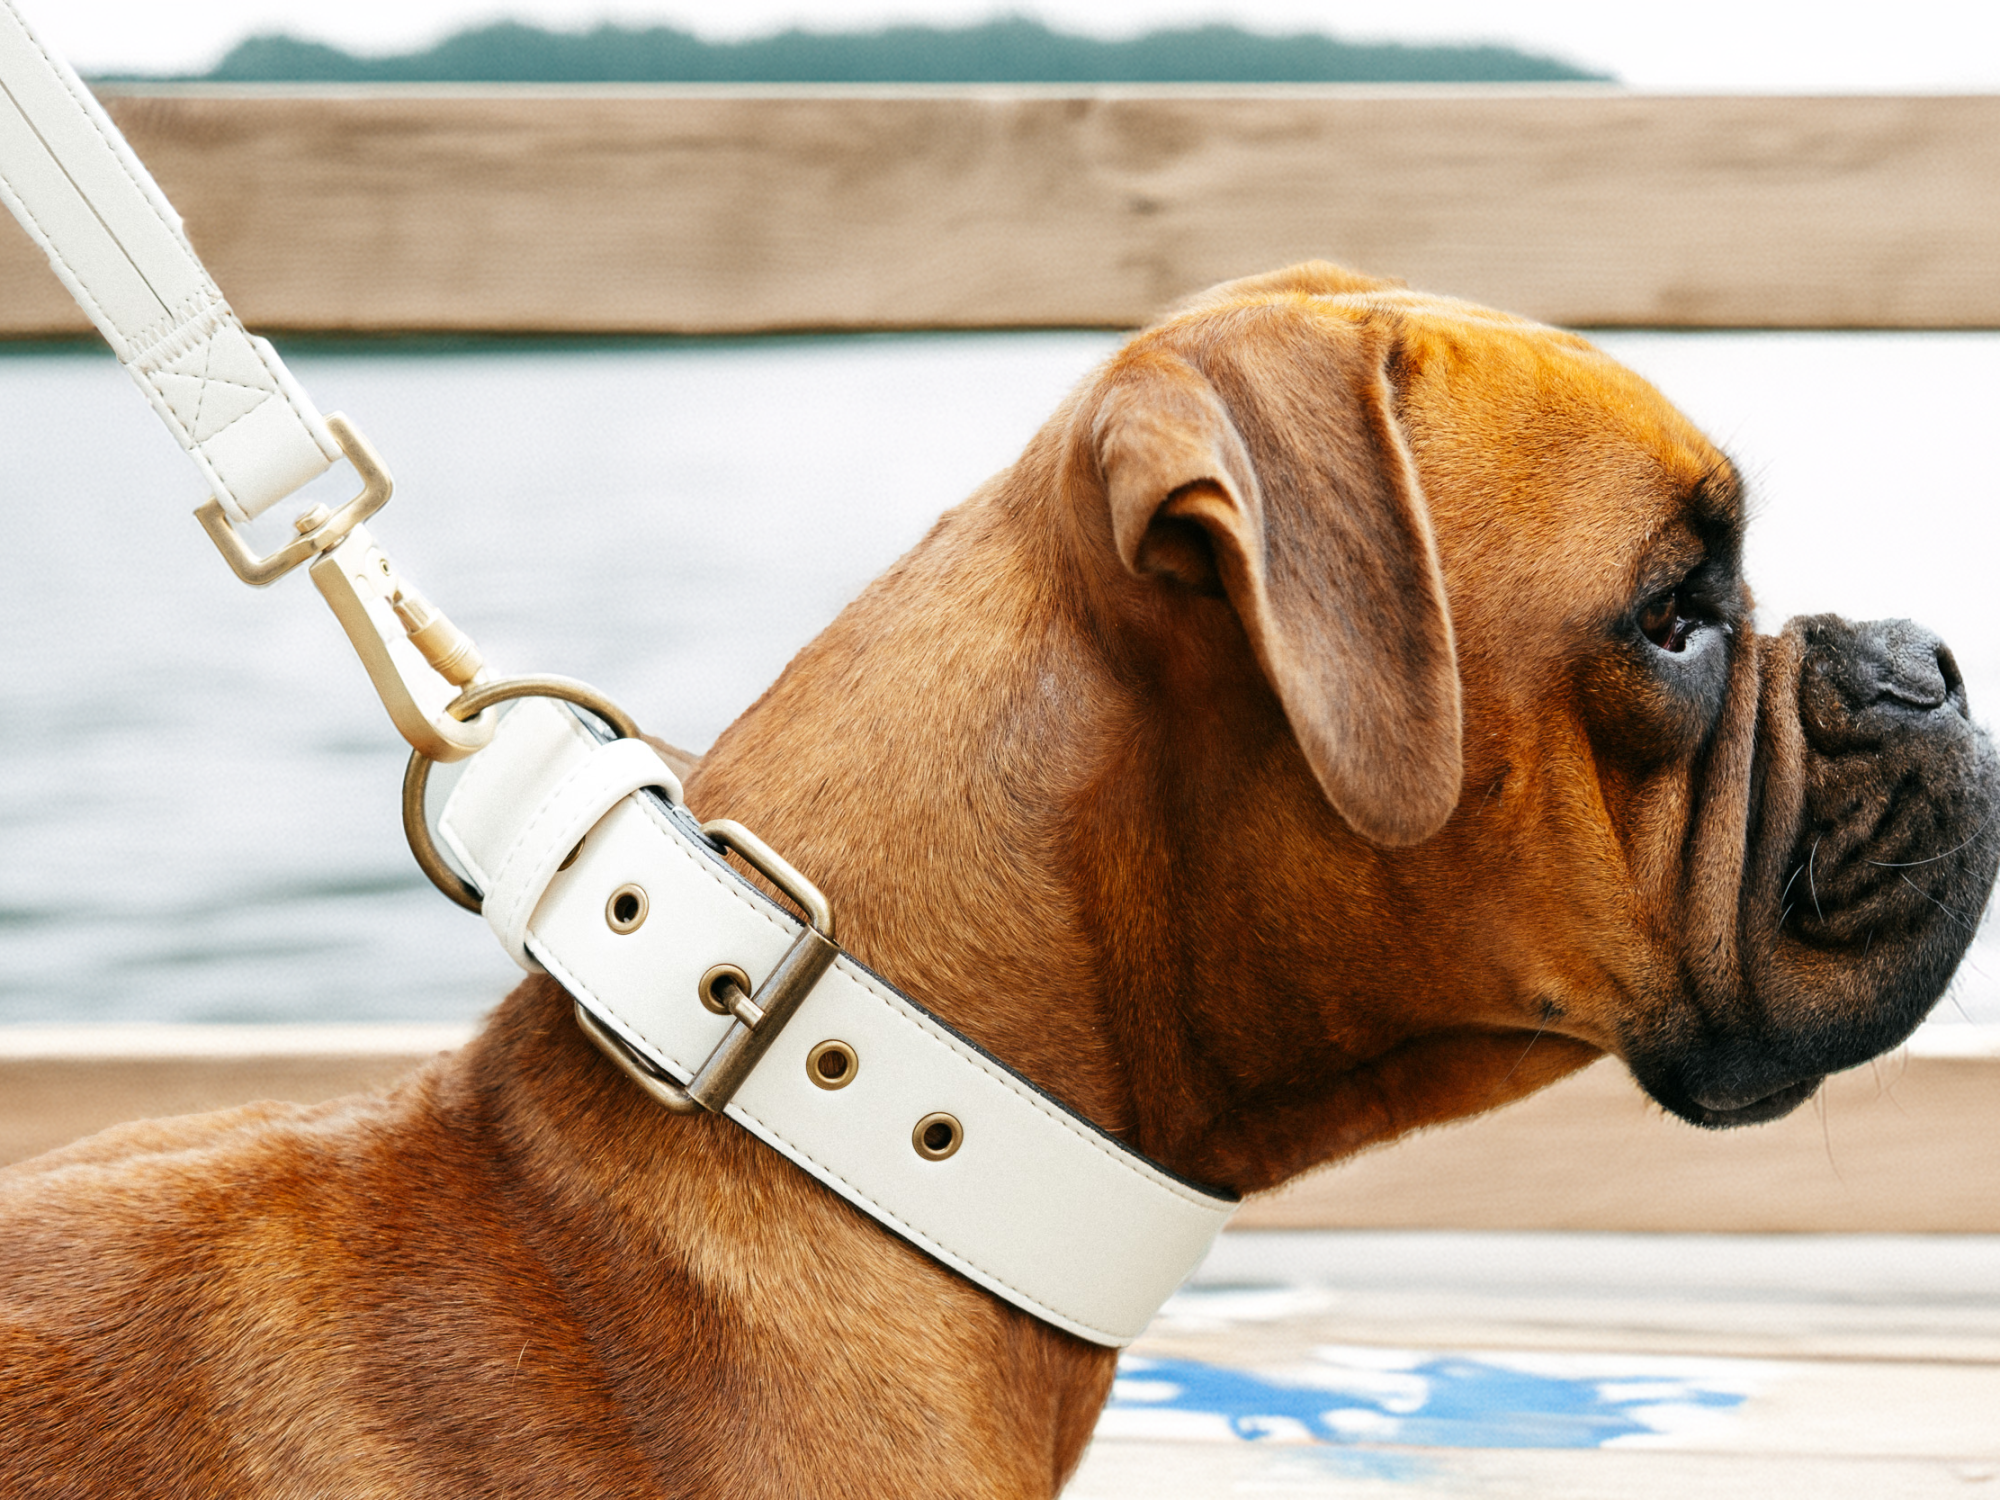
726,211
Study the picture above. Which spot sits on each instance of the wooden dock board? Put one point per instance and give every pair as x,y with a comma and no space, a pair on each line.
1899,1145
1564,1366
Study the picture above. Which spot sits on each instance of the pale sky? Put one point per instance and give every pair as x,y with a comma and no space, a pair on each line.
1784,45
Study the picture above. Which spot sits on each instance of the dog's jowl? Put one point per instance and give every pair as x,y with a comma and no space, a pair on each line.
1344,688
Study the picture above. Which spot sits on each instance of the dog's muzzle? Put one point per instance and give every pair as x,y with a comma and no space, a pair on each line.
1873,852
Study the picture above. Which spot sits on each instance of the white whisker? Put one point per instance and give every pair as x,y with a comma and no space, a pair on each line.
1974,837
1937,903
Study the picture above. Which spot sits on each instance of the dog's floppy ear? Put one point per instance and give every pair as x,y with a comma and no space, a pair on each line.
1286,456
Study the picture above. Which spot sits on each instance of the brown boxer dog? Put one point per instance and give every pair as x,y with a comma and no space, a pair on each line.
1346,716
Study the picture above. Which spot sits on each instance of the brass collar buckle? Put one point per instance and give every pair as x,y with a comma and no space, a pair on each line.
756,1018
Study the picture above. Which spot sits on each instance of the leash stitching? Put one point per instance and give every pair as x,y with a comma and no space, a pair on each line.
74,279
111,141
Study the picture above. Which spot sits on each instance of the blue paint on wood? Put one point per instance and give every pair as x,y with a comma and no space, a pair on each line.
1454,1401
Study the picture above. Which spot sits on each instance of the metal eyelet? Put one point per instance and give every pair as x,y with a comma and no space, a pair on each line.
937,1136
570,858
832,1065
709,987
626,910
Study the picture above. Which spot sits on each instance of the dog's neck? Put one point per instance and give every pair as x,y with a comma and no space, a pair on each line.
924,760
1044,796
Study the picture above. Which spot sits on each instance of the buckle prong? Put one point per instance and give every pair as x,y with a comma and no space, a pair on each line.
756,1019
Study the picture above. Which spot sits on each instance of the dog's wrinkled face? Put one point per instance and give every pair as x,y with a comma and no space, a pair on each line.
1794,833
1737,861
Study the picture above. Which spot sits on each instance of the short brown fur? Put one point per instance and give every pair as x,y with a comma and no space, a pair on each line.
1264,765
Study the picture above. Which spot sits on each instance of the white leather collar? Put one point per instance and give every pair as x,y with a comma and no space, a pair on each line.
1036,1204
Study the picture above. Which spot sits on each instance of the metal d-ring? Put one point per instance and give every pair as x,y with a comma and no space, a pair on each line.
468,704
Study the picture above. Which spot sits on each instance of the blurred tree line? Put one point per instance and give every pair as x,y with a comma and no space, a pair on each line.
1012,50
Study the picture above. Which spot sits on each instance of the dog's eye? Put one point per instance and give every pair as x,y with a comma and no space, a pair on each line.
1662,623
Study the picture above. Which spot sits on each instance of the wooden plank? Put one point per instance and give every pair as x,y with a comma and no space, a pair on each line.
60,1085
1271,1298
1910,1145
680,210
1907,1145
1559,1365
1114,1470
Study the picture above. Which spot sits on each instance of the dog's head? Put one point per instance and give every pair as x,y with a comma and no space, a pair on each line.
1513,723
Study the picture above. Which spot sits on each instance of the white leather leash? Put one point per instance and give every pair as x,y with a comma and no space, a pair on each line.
74,183
118,246
705,992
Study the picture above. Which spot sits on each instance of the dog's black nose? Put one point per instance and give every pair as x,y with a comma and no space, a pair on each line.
1908,664
1882,671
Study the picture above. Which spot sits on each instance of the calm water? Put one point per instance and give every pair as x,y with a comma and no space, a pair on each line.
198,792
